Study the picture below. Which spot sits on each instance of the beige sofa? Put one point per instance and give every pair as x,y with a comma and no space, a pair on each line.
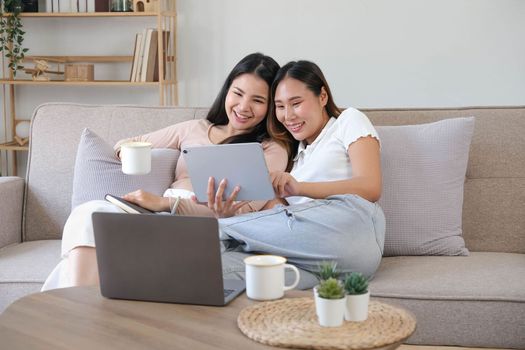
477,300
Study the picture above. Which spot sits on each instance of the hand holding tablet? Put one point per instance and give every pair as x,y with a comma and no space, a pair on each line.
241,164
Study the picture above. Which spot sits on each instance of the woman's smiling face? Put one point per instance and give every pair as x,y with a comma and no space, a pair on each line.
300,110
246,103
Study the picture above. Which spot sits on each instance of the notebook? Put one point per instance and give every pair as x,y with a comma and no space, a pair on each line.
128,207
162,258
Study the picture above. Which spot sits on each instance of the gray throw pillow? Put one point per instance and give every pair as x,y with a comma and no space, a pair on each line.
424,169
98,171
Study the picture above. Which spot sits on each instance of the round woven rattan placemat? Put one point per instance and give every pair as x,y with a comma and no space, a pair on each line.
293,323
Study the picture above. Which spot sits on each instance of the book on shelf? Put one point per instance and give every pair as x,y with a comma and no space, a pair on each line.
150,55
74,5
165,44
145,52
140,53
138,43
101,5
145,63
82,5
90,6
64,6
55,6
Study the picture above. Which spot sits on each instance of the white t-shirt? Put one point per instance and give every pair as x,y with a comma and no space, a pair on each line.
326,159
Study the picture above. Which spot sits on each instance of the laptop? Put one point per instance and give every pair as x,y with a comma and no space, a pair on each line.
162,258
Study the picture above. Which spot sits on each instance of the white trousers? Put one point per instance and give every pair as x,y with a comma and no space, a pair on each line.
78,232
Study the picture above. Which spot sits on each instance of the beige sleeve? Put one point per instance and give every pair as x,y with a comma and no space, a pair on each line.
190,208
276,160
168,137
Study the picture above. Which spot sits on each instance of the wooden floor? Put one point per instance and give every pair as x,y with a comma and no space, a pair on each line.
429,347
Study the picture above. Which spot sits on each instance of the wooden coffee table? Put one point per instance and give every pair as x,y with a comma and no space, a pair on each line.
80,318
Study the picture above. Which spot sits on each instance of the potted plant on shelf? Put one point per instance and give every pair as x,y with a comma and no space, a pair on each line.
11,34
357,297
330,303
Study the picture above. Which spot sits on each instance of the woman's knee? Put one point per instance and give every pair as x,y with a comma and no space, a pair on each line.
78,230
360,256
365,264
83,266
81,214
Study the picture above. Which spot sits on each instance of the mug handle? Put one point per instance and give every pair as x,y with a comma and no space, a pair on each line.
297,276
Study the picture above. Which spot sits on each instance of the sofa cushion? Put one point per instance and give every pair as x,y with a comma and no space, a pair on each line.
98,171
24,268
477,300
424,170
11,195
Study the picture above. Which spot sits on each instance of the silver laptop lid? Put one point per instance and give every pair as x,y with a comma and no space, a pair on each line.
161,258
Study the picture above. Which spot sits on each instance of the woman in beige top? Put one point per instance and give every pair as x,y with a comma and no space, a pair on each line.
206,132
237,115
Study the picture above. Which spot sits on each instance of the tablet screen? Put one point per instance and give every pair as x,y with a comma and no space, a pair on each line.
242,164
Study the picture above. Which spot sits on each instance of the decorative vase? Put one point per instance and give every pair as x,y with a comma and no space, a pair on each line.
120,5
357,307
330,312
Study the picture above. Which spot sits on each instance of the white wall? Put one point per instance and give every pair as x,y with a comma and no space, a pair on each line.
375,53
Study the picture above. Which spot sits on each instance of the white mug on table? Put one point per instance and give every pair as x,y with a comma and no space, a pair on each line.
265,277
136,158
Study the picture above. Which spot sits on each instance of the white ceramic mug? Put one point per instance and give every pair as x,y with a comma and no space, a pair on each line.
136,158
265,277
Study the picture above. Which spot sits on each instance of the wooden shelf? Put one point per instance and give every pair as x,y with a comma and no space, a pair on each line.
164,21
12,146
91,59
87,14
78,83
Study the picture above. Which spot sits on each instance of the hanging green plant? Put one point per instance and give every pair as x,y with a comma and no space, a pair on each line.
11,34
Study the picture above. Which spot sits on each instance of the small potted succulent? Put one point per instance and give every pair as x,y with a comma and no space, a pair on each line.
330,303
357,297
325,271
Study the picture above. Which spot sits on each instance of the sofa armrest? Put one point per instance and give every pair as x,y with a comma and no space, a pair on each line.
11,198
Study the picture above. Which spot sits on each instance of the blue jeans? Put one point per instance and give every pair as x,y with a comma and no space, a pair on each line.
343,228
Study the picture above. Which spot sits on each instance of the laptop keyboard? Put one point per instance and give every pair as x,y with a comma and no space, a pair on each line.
228,292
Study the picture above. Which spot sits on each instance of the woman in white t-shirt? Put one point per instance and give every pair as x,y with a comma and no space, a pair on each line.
327,207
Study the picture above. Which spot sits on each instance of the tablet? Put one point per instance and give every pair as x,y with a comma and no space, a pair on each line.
241,164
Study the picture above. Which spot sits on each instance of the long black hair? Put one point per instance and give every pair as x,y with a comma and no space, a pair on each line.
265,68
311,75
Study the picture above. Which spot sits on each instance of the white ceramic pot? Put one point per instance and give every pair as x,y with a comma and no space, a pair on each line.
316,296
357,307
330,312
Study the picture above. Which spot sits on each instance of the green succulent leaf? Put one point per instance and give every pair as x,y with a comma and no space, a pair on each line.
326,270
331,289
355,283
